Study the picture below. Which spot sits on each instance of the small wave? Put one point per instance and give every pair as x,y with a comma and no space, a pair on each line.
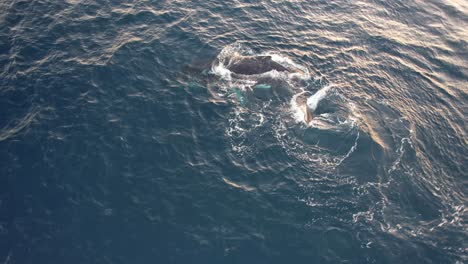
9,132
238,186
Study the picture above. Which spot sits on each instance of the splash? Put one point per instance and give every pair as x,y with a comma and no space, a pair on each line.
299,111
296,110
313,101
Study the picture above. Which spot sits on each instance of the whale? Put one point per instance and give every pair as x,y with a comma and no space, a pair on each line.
263,76
266,77
253,65
250,78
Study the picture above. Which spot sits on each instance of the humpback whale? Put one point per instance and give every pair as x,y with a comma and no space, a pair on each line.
248,78
258,74
251,65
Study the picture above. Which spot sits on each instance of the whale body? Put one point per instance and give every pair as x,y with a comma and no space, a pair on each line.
251,65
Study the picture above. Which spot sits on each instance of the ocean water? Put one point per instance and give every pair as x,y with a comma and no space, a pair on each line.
124,138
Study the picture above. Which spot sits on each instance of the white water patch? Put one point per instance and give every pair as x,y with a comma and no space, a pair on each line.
228,53
297,112
301,71
244,125
222,71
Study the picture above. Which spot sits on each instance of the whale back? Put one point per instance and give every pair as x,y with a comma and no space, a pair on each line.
255,65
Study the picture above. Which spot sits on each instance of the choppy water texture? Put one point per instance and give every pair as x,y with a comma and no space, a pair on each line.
122,142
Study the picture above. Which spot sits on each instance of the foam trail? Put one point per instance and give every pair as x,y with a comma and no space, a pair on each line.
313,101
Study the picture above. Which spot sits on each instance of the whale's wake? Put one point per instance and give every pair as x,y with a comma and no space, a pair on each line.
293,119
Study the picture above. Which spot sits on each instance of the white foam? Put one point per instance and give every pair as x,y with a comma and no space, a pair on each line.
351,150
221,71
302,73
219,66
297,111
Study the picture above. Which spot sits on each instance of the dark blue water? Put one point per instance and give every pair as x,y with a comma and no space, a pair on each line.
121,142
